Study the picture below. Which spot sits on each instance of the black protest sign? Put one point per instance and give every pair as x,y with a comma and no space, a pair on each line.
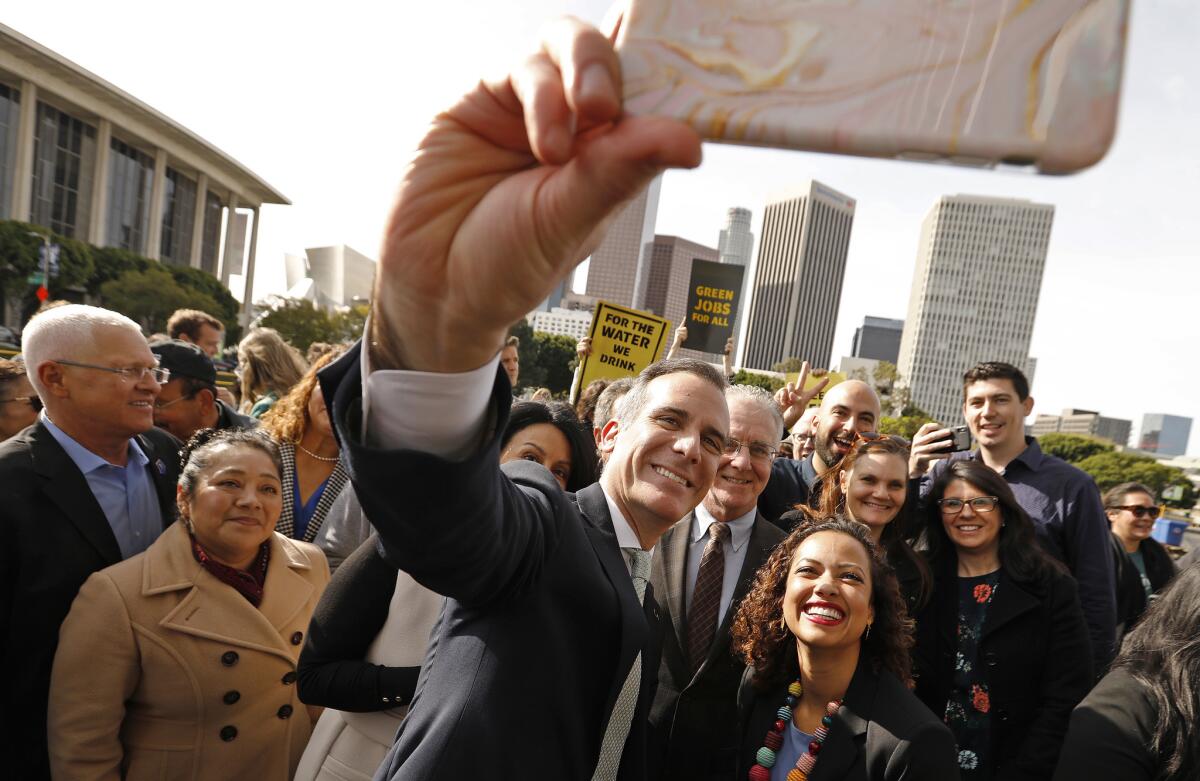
713,296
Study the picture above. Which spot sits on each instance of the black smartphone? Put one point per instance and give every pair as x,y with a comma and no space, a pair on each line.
961,437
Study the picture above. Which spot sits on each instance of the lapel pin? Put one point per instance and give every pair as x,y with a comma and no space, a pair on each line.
160,466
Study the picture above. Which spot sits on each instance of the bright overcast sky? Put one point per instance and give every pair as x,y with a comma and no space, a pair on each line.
325,101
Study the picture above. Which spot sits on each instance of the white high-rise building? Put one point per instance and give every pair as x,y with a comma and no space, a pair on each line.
736,246
974,295
618,269
798,278
574,323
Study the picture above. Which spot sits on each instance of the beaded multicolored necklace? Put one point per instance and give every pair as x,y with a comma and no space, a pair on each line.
765,759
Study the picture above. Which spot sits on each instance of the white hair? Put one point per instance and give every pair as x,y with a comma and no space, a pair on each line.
760,397
66,333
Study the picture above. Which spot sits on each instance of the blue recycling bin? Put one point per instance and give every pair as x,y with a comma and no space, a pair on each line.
1169,532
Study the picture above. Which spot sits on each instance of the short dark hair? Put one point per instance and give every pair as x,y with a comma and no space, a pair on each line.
189,322
198,452
1115,496
997,370
636,398
607,401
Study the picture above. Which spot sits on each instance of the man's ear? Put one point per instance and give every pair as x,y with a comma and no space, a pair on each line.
1027,405
608,436
53,379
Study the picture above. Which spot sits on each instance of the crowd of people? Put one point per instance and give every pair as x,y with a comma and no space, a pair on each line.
374,562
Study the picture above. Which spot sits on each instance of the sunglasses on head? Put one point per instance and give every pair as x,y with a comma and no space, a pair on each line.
1139,511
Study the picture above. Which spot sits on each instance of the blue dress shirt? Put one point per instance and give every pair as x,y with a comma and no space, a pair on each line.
126,494
734,549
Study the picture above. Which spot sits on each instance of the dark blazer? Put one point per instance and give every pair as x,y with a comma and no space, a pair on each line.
881,732
54,536
694,717
1111,734
1131,597
1036,658
541,624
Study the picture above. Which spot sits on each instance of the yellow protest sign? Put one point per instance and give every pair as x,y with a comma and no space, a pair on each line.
624,341
815,376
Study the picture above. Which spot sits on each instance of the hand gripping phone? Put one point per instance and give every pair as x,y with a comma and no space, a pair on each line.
1031,83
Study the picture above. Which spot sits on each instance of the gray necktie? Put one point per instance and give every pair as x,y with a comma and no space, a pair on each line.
622,713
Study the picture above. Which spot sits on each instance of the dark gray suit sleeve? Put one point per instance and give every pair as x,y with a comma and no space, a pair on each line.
460,528
1087,542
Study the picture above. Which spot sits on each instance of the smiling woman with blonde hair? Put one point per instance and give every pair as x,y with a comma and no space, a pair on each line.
267,369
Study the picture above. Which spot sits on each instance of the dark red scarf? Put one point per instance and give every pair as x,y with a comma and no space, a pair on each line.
248,584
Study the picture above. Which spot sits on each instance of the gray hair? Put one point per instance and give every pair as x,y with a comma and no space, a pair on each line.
633,402
761,397
66,333
609,403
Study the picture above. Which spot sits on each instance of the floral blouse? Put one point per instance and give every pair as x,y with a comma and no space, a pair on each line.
967,710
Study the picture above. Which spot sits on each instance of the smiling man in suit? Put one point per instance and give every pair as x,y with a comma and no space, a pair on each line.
91,483
702,568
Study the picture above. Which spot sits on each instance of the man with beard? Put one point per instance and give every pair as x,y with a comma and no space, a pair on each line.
848,408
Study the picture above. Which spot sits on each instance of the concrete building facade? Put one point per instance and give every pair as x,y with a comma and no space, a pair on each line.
618,269
670,270
567,322
797,286
91,162
1165,435
342,275
1085,422
974,295
878,338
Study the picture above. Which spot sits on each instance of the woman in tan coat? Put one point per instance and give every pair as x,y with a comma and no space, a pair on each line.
180,663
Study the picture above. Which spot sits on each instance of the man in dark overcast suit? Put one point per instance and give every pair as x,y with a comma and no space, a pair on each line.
702,568
544,661
91,483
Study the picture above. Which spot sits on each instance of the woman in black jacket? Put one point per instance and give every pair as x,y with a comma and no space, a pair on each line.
826,638
1142,565
1002,648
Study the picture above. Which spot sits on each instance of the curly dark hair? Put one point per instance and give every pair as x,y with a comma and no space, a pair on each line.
763,641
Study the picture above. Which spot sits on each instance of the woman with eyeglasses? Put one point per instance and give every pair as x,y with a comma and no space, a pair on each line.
1002,648
19,403
1142,565
870,485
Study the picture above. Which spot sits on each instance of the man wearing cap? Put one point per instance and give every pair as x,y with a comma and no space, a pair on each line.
188,402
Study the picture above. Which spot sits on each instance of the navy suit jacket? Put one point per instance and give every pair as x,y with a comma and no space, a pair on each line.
541,624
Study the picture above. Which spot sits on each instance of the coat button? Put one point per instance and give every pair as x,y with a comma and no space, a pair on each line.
228,732
289,677
990,658
231,697
297,637
1002,715
229,658
284,712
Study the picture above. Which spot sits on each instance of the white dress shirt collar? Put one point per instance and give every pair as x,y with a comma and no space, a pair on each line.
739,528
626,536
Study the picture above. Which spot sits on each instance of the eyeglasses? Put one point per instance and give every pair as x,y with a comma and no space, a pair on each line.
757,450
979,504
1139,511
129,373
32,401
165,404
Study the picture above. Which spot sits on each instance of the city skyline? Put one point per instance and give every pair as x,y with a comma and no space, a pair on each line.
1115,320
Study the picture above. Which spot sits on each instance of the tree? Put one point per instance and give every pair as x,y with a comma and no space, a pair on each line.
1109,468
885,377
788,366
764,381
19,246
150,297
301,322
551,363
351,322
904,426
1073,448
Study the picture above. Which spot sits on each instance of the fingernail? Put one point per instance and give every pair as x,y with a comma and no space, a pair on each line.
595,83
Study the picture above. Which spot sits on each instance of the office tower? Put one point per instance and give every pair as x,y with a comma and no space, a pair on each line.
736,245
798,278
617,270
1085,422
667,283
878,338
974,295
1166,435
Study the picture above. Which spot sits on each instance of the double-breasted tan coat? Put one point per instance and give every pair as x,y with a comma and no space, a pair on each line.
165,672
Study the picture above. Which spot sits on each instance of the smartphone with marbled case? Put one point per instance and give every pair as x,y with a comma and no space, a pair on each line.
975,82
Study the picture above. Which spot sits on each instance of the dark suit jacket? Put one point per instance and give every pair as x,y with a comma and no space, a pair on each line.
1036,659
792,482
54,536
541,625
694,717
1111,734
882,732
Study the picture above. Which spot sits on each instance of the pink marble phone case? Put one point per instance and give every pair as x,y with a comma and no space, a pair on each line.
977,82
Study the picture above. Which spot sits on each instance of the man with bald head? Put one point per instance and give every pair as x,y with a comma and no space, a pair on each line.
92,482
848,408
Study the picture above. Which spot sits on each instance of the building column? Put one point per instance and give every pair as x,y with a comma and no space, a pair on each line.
98,221
198,221
22,201
232,206
248,295
154,234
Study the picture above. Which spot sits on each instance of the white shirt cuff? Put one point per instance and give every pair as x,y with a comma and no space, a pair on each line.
440,414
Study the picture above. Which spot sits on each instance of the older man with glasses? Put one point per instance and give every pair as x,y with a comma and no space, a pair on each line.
92,482
19,405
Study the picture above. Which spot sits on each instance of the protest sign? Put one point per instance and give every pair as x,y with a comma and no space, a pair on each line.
624,341
815,376
713,296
